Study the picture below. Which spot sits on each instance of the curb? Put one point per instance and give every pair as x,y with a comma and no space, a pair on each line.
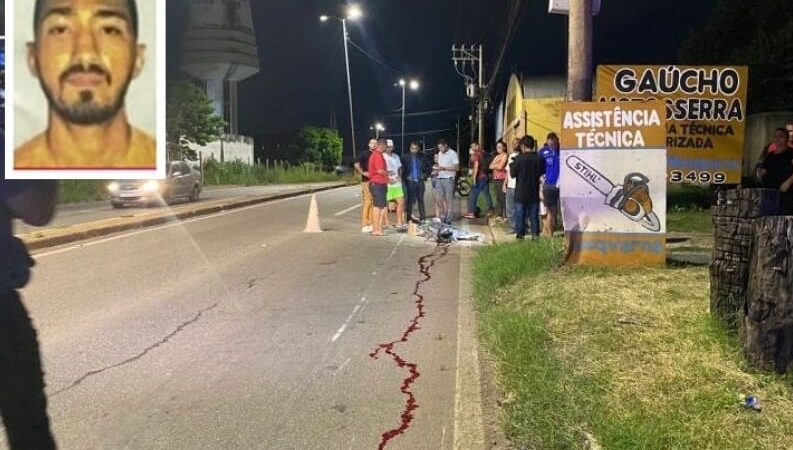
105,227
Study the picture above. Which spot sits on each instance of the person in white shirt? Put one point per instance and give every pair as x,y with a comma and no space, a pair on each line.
396,191
446,167
509,187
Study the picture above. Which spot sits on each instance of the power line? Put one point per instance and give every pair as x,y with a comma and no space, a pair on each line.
418,133
513,18
374,58
430,113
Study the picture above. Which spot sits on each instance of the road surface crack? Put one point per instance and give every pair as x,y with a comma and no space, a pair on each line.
140,355
426,263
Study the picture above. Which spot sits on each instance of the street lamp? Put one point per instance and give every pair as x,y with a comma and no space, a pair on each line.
354,12
378,127
414,85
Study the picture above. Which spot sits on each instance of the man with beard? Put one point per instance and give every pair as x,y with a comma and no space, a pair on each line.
85,53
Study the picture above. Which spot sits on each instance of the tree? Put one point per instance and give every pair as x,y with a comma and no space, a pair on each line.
320,146
756,33
190,119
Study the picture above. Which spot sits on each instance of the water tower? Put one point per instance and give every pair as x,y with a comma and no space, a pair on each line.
219,48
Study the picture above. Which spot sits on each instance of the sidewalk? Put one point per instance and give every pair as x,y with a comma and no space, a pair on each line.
51,237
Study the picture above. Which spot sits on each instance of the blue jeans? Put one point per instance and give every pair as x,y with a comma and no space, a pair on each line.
511,208
480,187
532,210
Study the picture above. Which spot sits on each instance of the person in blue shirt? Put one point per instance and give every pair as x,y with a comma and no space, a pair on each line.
415,170
550,187
23,403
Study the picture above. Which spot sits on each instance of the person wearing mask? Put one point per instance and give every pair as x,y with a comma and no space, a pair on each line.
362,167
777,170
498,167
447,166
481,181
396,191
527,169
23,403
509,187
378,185
414,170
550,187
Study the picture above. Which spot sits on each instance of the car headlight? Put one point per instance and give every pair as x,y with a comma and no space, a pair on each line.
113,187
151,186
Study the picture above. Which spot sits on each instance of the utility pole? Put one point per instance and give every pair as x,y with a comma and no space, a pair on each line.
473,59
579,71
458,133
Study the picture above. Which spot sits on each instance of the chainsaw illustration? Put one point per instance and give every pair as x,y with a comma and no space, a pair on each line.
632,198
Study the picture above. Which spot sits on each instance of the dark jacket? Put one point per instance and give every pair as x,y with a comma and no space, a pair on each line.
527,170
425,166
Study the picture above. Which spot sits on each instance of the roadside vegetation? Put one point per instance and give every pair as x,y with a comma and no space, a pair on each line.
688,209
629,357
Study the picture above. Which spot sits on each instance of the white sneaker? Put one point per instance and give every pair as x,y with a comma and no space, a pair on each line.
367,229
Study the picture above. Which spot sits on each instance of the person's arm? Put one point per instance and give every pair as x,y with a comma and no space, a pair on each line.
359,169
787,184
33,202
475,172
498,163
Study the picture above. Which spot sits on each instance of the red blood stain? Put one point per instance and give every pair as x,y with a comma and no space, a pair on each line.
426,263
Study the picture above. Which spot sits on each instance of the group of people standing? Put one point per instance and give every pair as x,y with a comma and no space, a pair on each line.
524,181
389,178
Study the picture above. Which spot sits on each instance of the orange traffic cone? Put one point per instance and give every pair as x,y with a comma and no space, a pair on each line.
312,224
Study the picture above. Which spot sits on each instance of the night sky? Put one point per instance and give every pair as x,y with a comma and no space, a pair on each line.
302,77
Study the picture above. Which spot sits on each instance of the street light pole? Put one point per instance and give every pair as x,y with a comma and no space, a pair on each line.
349,85
402,148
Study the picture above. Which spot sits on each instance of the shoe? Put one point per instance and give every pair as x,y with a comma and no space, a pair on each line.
469,215
520,238
367,229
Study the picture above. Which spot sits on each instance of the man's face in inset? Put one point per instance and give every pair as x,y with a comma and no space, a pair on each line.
85,54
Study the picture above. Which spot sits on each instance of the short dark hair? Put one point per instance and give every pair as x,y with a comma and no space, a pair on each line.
416,143
131,4
553,136
442,142
528,142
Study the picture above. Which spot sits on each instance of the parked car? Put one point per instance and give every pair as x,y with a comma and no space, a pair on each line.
182,182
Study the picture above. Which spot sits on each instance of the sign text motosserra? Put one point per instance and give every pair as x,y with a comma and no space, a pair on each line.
613,182
706,108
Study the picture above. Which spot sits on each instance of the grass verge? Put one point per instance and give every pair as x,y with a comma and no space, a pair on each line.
689,221
79,191
241,174
631,357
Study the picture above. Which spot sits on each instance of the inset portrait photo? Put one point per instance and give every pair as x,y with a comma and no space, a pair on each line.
85,94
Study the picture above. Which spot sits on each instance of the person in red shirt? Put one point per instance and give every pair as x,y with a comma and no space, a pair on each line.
481,182
378,185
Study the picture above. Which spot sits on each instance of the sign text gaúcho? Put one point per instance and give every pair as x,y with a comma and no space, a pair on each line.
706,109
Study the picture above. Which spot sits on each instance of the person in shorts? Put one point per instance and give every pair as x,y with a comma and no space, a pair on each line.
378,185
550,186
396,191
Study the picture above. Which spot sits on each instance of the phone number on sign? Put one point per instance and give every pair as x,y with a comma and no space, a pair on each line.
678,176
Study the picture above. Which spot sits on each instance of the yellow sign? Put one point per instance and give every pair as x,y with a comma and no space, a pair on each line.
613,182
706,109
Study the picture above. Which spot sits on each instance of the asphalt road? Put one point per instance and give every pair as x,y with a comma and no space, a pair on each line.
69,215
239,331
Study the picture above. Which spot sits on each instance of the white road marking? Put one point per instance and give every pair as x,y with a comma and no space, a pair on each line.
359,307
348,210
344,365
345,324
163,227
